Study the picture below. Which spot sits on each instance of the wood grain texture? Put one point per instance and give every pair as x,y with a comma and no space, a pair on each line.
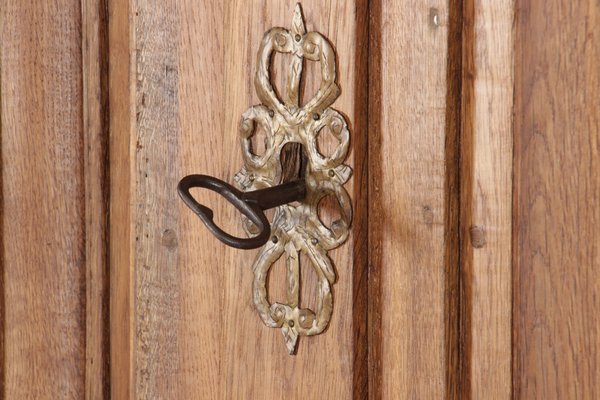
194,331
486,199
157,278
95,120
121,136
413,247
360,229
326,364
43,203
374,236
557,193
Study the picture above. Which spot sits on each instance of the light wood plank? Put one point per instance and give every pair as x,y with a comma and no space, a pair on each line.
203,260
486,199
155,158
43,214
121,123
413,246
195,331
328,365
557,193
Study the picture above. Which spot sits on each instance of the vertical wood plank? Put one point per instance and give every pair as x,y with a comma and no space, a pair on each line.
203,260
165,326
413,247
486,199
184,323
374,236
360,240
557,192
95,123
330,365
121,124
157,278
43,215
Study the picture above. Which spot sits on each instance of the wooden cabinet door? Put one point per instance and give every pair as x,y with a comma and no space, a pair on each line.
471,268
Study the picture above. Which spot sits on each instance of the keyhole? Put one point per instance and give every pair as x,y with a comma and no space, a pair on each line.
293,162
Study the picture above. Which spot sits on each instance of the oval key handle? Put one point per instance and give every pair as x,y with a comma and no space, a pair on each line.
251,204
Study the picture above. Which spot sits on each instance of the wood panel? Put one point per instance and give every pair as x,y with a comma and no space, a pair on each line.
557,192
185,325
122,367
43,200
486,199
328,361
413,237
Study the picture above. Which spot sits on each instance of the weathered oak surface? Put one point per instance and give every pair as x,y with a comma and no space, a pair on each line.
43,225
556,220
189,327
413,237
475,153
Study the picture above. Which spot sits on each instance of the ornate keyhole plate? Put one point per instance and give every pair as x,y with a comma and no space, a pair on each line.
296,228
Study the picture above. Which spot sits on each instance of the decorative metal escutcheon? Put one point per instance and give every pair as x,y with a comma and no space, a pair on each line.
296,227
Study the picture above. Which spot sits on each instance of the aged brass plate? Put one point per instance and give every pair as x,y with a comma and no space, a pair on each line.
296,228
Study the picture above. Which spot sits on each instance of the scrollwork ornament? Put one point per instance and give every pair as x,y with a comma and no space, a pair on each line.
296,228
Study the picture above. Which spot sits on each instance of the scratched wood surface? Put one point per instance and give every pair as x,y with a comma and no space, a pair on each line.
43,201
190,326
413,246
486,198
557,192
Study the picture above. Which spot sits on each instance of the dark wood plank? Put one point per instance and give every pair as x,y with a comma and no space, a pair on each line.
360,227
557,201
375,217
